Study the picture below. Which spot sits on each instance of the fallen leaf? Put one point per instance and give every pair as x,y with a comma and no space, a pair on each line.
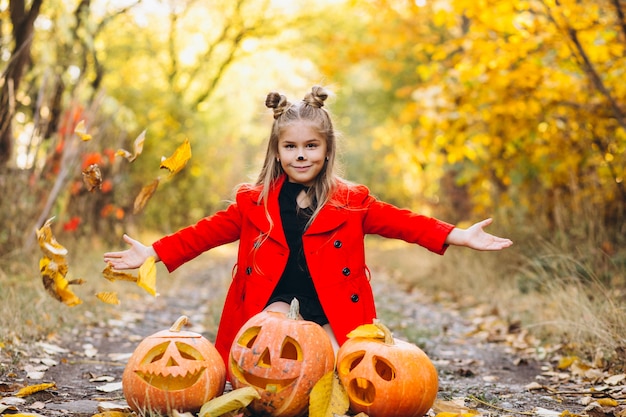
369,331
615,379
178,159
607,402
137,148
31,389
110,387
108,297
147,276
144,196
455,406
81,131
92,177
328,397
232,401
114,414
114,275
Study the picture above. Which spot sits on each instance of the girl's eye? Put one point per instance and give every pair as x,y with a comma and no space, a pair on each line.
312,145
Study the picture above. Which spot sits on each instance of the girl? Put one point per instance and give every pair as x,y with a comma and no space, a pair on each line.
301,231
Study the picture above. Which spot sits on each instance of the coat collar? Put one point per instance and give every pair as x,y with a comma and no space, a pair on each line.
329,218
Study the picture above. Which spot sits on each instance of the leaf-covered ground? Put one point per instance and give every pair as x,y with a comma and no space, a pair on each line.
485,366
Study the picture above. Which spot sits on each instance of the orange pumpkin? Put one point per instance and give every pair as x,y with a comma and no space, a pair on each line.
173,370
385,377
282,357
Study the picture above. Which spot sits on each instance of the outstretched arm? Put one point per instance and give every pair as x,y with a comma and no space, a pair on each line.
132,257
475,237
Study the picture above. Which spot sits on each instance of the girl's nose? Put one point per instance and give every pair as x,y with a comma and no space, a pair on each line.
301,158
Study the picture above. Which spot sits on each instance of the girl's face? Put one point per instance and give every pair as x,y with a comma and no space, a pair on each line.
302,152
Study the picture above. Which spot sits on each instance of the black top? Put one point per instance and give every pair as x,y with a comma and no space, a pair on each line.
296,280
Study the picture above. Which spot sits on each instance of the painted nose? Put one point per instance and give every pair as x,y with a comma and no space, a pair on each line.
301,158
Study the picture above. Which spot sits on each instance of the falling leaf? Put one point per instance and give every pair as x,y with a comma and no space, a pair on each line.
48,244
31,389
92,177
53,277
147,276
179,158
108,297
114,275
144,196
81,131
232,401
137,148
370,331
328,397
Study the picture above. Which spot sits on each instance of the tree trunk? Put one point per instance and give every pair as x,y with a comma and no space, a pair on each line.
23,31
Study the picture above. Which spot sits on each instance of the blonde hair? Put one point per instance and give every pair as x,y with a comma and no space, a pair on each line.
310,110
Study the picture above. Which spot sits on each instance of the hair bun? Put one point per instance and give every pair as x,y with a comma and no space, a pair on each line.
278,102
316,97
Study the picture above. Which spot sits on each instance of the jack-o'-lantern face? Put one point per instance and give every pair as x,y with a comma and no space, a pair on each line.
171,366
369,374
173,370
276,365
386,377
282,358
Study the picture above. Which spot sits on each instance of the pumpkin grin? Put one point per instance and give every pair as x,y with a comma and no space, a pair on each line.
169,383
269,384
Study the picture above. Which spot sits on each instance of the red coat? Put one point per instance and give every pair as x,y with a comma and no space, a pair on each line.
333,246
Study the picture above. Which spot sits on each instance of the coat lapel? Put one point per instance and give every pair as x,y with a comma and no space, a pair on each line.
258,217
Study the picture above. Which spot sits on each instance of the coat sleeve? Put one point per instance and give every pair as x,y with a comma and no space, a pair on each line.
221,228
389,221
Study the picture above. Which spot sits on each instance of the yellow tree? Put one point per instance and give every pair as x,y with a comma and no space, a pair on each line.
521,102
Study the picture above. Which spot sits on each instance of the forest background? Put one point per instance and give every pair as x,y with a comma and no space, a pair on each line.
454,108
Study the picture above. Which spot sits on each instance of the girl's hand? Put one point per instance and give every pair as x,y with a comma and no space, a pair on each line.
475,237
130,258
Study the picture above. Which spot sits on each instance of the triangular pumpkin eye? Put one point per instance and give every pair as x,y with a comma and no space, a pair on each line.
291,350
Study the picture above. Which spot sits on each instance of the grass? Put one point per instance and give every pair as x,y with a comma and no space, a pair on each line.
568,293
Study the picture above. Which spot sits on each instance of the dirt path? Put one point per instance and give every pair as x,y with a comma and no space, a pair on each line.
87,363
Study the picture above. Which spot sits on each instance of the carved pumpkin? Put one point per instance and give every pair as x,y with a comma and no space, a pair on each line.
385,377
282,357
173,370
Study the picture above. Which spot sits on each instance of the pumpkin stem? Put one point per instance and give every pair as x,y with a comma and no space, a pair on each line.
178,324
388,336
294,310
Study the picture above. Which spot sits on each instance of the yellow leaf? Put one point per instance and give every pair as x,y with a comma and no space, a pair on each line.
137,148
92,177
456,406
179,158
48,244
53,278
81,131
144,196
108,297
232,401
114,414
115,275
370,331
31,389
147,276
607,402
567,361
328,397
